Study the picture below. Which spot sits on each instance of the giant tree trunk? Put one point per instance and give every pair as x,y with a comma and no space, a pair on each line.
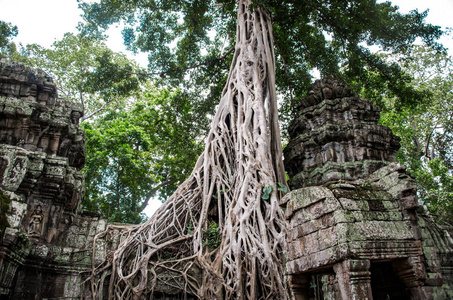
242,258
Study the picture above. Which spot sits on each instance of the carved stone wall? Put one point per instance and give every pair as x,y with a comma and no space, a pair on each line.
42,152
46,251
356,229
335,136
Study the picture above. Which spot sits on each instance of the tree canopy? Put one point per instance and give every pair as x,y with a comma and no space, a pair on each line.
426,130
140,152
7,32
195,38
86,71
190,46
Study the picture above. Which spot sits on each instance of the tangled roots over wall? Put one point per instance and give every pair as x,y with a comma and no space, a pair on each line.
221,235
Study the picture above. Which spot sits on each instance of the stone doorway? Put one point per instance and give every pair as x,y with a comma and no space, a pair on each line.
385,284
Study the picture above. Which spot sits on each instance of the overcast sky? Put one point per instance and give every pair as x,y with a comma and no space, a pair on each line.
44,21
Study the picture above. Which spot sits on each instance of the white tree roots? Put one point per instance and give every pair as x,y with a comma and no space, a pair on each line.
219,221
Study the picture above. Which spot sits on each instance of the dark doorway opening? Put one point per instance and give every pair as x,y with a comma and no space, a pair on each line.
385,284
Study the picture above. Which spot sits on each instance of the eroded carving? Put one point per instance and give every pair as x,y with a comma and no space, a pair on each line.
36,220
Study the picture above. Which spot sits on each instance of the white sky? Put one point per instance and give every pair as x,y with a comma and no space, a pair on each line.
44,21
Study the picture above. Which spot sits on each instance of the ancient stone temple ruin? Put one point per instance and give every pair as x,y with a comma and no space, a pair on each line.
356,229
42,151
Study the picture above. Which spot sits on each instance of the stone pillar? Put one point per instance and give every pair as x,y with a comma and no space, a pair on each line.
43,143
54,142
35,132
412,272
354,279
24,130
300,286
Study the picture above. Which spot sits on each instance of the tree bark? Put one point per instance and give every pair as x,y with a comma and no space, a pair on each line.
234,184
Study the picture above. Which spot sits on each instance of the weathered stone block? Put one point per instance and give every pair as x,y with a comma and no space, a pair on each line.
377,215
360,193
353,205
18,211
13,167
327,238
344,216
306,196
379,230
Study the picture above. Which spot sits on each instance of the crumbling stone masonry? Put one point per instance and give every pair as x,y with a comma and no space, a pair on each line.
46,250
42,152
356,229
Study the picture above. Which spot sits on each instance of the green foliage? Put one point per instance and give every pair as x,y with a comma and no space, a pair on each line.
189,41
436,188
23,238
7,32
212,237
267,190
140,152
190,228
219,193
283,188
426,129
175,34
5,203
86,71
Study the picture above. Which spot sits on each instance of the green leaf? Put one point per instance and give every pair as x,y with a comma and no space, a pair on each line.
267,190
282,187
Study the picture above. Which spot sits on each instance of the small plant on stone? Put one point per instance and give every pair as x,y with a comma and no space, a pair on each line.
190,228
267,190
212,236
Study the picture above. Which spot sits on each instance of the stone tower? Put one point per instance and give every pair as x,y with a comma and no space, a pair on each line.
42,151
356,229
335,136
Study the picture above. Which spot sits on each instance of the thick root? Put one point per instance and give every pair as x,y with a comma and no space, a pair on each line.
224,220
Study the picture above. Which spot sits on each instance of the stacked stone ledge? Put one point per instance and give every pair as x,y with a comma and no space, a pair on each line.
42,151
335,136
21,82
356,230
46,251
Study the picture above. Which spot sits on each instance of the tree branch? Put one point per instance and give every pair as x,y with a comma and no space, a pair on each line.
95,112
154,190
205,63
428,140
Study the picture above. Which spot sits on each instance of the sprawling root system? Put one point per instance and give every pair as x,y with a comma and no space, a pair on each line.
221,235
